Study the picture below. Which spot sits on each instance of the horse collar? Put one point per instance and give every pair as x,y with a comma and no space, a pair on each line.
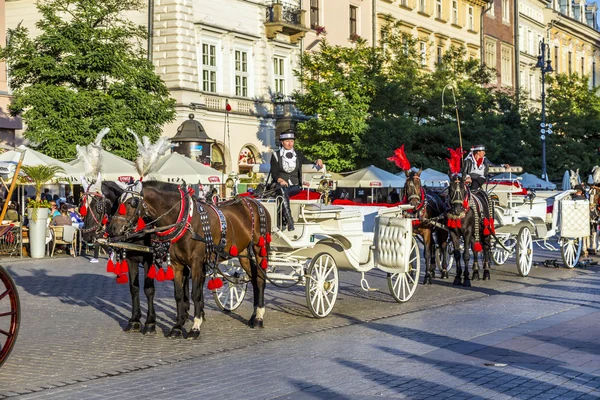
186,212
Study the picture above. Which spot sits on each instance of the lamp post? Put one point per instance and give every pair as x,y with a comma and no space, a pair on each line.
545,65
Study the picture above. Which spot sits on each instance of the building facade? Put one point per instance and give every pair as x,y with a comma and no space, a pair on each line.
8,125
498,42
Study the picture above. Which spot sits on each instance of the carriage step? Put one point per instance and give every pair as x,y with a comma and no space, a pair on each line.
365,285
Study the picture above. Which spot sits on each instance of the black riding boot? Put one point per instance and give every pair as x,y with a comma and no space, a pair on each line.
287,213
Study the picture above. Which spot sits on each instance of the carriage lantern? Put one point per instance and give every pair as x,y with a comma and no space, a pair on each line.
192,141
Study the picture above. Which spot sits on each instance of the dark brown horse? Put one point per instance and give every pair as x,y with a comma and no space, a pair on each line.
99,207
427,207
467,219
198,235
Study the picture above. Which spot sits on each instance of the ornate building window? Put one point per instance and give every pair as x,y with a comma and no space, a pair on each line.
241,73
209,67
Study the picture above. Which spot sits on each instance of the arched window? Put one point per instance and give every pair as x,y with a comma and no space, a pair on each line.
246,160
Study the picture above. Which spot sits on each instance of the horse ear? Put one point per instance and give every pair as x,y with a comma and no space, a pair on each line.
407,172
419,171
138,187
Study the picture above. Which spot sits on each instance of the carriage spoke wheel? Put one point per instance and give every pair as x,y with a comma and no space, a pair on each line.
403,284
570,250
499,255
524,251
321,285
231,295
10,314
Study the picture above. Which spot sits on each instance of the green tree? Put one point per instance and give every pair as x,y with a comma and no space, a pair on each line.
85,71
338,89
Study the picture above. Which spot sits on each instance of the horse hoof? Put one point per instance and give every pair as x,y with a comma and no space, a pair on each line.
457,282
259,324
427,280
467,283
252,321
194,334
175,333
475,276
133,327
486,275
150,330
444,275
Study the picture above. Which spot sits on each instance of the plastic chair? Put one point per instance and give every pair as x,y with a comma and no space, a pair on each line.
64,235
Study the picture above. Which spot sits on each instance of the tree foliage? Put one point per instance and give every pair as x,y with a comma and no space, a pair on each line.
85,71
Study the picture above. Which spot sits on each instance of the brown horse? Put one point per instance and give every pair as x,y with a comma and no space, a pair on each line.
426,208
197,236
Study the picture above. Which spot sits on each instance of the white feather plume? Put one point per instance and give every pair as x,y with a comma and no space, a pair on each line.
149,153
596,175
91,155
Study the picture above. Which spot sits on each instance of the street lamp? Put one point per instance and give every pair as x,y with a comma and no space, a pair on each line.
545,65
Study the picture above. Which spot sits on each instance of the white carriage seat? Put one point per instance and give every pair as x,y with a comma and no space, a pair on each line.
323,211
368,239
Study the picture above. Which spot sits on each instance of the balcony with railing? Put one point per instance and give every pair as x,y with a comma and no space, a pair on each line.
287,20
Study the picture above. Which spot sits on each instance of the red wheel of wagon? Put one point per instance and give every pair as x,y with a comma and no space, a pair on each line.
10,314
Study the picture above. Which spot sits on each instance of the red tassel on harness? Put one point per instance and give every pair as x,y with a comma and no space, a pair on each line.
152,272
458,223
264,264
122,279
486,222
83,210
110,266
122,209
140,224
117,270
263,251
169,275
466,203
261,242
105,219
233,251
450,223
486,231
160,276
124,267
268,236
477,247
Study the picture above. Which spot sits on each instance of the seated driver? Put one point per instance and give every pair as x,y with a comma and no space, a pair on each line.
286,169
475,167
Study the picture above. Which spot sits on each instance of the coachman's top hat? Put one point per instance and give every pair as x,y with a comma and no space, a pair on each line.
287,135
478,147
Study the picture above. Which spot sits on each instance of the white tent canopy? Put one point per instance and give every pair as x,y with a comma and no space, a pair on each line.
432,178
530,181
372,177
176,168
114,168
33,158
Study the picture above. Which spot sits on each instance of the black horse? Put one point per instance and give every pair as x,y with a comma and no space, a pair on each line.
198,236
99,207
427,207
469,218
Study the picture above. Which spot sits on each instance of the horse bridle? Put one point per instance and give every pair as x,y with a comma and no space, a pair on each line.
420,196
456,196
101,209
137,201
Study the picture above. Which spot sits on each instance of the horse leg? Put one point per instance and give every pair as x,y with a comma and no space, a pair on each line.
150,291
475,275
426,233
487,251
198,277
186,292
443,236
466,258
178,285
456,243
134,324
258,288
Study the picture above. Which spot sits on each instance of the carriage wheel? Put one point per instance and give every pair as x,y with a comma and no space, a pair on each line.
499,255
524,251
231,295
10,314
321,285
404,284
449,256
570,250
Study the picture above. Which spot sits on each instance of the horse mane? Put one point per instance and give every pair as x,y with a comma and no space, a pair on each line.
161,186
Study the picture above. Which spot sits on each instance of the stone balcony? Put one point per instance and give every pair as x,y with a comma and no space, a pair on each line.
286,20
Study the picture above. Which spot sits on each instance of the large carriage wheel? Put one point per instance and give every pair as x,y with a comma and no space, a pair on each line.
570,250
524,251
321,285
10,314
235,283
404,284
499,255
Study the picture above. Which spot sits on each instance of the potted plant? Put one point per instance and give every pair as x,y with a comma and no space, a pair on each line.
38,209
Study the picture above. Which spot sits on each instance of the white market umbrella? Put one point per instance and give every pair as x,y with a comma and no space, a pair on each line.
176,168
114,168
530,181
432,178
372,177
566,181
33,158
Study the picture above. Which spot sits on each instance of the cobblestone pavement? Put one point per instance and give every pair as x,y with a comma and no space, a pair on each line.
511,337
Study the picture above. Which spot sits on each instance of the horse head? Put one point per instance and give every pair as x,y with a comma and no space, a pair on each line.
457,194
413,191
126,210
94,208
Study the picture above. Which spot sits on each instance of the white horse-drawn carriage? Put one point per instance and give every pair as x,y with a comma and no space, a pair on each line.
523,218
327,239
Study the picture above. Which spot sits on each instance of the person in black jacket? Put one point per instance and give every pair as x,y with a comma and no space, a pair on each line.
475,167
286,170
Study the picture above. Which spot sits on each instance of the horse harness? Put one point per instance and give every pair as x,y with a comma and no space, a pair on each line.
101,210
